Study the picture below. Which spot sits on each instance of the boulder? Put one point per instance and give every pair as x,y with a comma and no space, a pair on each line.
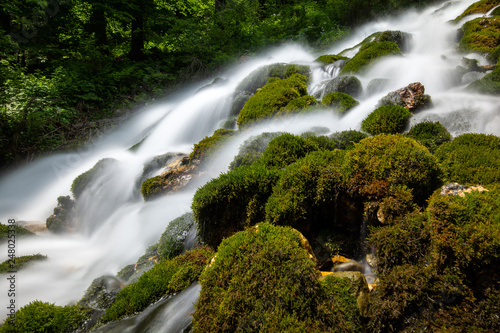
411,97
102,293
349,85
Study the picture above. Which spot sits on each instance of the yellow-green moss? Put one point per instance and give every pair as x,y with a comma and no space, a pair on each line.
330,58
339,101
388,119
480,35
368,54
479,7
210,144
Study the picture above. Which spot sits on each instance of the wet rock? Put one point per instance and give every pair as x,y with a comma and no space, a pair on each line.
460,190
349,85
102,293
349,266
402,39
371,260
412,97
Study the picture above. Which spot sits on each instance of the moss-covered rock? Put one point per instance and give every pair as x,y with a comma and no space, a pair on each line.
401,39
263,280
285,150
101,293
341,102
272,98
349,85
471,159
330,58
412,97
40,317
481,35
490,84
478,7
430,134
166,277
18,263
7,229
302,104
252,149
209,145
368,54
347,139
389,119
86,179
61,221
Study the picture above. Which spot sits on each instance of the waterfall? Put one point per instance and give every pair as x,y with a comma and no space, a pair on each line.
116,225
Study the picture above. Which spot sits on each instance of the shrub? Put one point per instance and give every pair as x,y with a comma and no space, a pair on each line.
430,134
304,196
369,53
20,262
384,161
166,277
347,139
40,317
471,159
339,101
284,150
262,280
84,180
388,119
210,145
271,98
232,201
252,149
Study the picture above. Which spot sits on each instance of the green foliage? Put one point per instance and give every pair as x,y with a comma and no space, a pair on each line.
347,139
388,119
384,161
19,232
165,278
339,101
40,317
304,196
369,53
284,150
330,58
86,179
263,280
271,98
430,134
20,262
480,35
471,159
209,145
252,149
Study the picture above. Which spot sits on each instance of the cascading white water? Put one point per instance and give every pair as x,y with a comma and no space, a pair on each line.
117,225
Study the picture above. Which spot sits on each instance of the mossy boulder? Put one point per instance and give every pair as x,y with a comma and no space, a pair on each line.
368,54
379,163
478,7
19,232
471,159
252,149
327,59
260,77
87,178
165,278
262,279
299,105
239,101
285,150
61,221
490,84
389,119
349,85
209,145
347,139
101,293
272,98
19,263
340,102
430,134
481,35
401,39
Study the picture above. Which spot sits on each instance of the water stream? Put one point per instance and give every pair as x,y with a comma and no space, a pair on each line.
117,225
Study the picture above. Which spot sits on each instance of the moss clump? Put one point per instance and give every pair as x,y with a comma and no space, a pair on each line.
232,201
40,317
388,119
304,196
378,163
339,101
369,53
330,58
262,280
478,7
20,262
258,78
19,232
152,187
84,180
471,159
284,150
61,220
430,134
166,277
252,149
272,98
347,139
480,35
301,104
209,145
490,84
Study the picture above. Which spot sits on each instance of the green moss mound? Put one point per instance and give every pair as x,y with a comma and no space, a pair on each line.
482,6
272,98
166,277
480,35
471,159
339,101
252,149
152,187
87,178
382,162
20,262
232,201
301,104
258,78
262,280
285,150
387,119
330,58
401,39
347,139
19,232
369,53
40,317
209,145
490,84
430,134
